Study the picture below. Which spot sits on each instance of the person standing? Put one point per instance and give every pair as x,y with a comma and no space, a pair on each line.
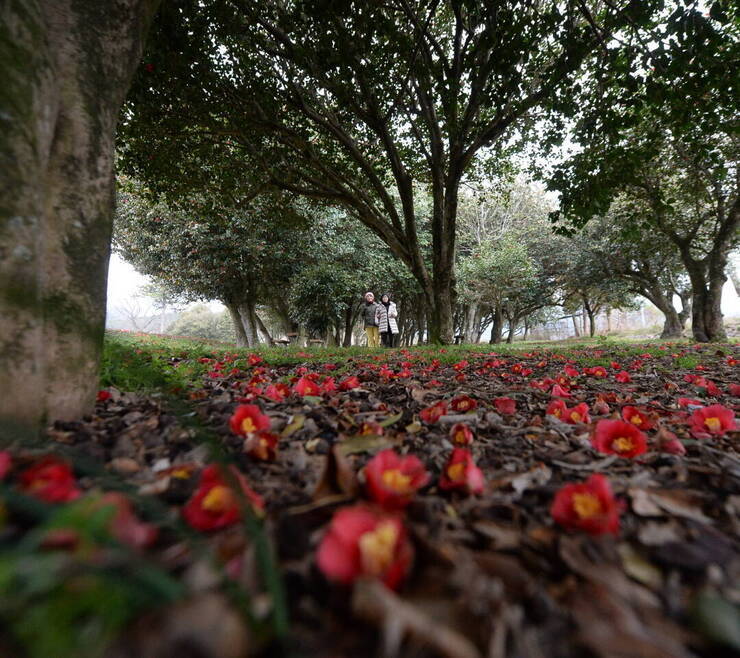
369,314
385,318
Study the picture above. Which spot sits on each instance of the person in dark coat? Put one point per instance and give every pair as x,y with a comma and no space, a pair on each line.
369,315
385,317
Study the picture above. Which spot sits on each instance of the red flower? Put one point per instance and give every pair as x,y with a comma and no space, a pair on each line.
215,505
261,446
556,408
5,463
734,390
638,418
460,472
714,420
577,414
247,419
623,377
560,392
362,541
277,392
349,383
461,434
571,371
371,428
589,506
601,408
463,404
618,437
51,480
103,396
685,402
505,406
254,359
432,414
328,385
305,386
393,480
670,443
125,526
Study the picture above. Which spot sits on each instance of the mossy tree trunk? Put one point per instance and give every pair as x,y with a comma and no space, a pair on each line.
66,66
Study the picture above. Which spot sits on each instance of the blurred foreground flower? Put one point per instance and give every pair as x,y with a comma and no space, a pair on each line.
215,505
365,542
51,480
461,473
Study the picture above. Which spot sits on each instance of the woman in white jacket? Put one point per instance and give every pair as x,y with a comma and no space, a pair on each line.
385,318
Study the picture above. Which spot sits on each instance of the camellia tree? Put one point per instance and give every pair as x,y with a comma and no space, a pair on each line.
210,252
355,102
668,143
65,69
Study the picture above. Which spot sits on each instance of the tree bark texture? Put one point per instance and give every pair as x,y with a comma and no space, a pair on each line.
66,66
236,319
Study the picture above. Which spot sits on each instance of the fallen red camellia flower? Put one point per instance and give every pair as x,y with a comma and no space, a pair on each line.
51,480
262,446
277,392
349,383
432,414
247,419
577,414
714,420
103,396
460,472
392,480
636,417
588,506
125,526
618,437
306,386
461,434
5,462
505,406
215,505
623,377
556,408
463,404
365,542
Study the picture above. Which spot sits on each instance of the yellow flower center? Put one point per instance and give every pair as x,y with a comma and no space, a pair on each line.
636,420
714,424
248,425
463,404
180,473
576,417
377,548
586,505
460,437
623,444
557,412
397,481
38,483
218,499
456,472
262,450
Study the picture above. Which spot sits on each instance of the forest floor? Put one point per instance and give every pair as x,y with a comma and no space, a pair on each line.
178,563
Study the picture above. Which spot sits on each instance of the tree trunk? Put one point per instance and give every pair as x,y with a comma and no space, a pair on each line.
497,329
261,326
236,319
672,327
707,280
608,321
685,313
591,322
247,314
471,324
526,329
348,326
575,325
65,69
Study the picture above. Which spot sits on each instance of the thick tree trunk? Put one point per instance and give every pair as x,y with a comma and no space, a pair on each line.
591,323
685,312
575,325
65,68
672,327
497,329
247,314
236,319
526,329
472,321
707,280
